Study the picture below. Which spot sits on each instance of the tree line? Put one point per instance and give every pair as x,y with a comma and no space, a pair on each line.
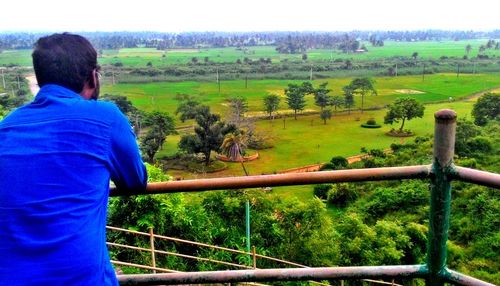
308,40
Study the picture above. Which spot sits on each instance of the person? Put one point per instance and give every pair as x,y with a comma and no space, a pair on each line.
57,157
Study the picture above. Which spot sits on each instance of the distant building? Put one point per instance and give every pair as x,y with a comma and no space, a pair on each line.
360,51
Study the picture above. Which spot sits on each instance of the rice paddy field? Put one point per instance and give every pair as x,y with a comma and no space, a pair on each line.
139,57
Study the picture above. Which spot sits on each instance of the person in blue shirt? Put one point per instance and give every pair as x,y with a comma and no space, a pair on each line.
57,157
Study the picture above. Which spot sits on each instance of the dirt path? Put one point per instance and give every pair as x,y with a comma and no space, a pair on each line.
316,167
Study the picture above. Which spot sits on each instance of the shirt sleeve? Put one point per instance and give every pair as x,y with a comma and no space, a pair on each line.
127,169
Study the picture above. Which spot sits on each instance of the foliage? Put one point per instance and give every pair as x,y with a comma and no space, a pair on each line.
403,109
321,190
234,145
238,106
361,86
209,134
295,96
342,194
486,108
187,107
160,125
336,163
321,97
325,114
271,104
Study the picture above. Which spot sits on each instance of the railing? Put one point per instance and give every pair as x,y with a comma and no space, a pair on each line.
153,251
440,173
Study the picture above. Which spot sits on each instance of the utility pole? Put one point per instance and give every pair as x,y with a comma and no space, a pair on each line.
474,68
311,74
423,72
246,81
18,83
396,69
3,79
458,69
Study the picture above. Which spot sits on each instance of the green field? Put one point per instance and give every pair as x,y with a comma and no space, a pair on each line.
308,141
137,57
437,87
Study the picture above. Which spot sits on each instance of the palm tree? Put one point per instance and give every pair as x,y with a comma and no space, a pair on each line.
233,146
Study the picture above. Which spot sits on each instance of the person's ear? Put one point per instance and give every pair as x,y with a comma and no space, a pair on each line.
93,79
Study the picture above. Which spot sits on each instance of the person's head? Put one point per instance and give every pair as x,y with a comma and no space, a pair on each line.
67,60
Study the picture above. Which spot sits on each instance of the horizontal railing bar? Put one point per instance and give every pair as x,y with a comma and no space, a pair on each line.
205,245
355,175
116,262
178,255
287,274
462,279
477,177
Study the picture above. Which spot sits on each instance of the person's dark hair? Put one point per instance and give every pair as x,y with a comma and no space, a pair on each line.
64,59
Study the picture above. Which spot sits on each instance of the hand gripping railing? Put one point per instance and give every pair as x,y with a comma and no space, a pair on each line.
441,173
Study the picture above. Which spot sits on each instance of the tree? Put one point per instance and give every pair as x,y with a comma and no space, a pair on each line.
321,97
160,125
486,108
337,102
209,134
238,106
151,143
295,98
325,114
362,86
414,56
468,48
234,145
403,109
271,104
187,108
348,98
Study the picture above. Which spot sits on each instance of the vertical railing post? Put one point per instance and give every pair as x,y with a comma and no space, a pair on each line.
152,246
254,254
444,146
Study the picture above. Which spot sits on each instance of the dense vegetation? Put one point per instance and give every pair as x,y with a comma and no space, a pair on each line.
358,224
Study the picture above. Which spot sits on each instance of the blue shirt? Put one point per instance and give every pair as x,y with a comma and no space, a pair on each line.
57,156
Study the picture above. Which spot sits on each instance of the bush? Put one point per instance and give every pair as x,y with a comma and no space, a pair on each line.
370,123
342,194
321,190
339,163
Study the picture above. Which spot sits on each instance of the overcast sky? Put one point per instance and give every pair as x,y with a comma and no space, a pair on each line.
248,15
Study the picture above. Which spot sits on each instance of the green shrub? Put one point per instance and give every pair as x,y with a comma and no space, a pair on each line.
342,194
321,190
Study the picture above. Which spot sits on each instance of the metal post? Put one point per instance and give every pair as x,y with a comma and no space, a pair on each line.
254,257
152,244
444,146
247,212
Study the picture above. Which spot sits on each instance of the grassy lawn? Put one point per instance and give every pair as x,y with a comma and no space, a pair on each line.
308,141
437,87
302,143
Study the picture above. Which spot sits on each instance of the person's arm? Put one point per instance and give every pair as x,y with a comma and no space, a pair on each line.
127,169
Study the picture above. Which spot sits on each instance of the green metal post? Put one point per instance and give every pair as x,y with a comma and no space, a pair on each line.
247,211
444,146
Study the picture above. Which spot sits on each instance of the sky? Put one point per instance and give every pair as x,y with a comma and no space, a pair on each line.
248,15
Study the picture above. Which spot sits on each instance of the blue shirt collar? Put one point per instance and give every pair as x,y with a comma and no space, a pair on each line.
54,90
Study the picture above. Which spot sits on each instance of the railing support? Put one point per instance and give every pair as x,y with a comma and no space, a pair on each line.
152,247
439,221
